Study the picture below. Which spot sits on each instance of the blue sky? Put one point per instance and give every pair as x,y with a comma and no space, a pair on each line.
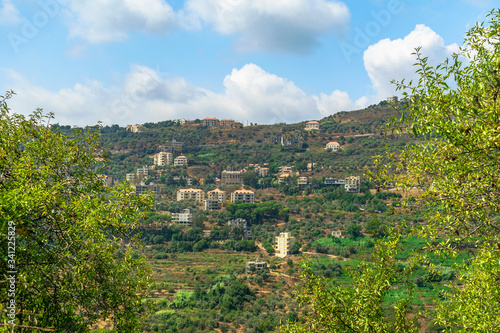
262,61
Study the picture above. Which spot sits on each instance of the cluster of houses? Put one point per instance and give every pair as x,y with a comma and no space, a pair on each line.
215,199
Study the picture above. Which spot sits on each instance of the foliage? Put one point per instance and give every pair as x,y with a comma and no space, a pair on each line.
71,271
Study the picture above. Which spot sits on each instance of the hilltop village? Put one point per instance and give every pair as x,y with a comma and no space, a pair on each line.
238,207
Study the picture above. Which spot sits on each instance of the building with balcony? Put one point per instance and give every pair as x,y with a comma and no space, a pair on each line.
353,184
181,161
255,266
163,158
231,178
218,195
190,193
227,123
240,223
211,204
211,122
312,125
244,196
335,146
284,244
185,217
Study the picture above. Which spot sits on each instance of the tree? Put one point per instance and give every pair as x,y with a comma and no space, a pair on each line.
452,111
75,255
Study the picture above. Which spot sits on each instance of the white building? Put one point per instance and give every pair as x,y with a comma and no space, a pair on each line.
163,158
353,184
185,217
218,195
312,125
284,244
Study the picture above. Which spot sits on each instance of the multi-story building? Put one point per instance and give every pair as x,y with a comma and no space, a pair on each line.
335,146
157,189
392,99
218,195
240,223
185,217
284,244
163,158
312,125
181,161
353,184
190,193
130,176
227,123
144,171
334,182
211,122
286,170
231,178
303,181
262,172
211,204
243,196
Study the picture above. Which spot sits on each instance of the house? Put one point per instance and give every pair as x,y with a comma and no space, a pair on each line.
283,177
240,223
218,195
181,161
185,217
338,234
284,244
257,266
163,158
211,204
211,122
312,125
286,170
335,146
303,181
190,193
227,123
243,196
231,178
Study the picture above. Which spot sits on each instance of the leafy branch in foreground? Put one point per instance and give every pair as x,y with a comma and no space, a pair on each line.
75,244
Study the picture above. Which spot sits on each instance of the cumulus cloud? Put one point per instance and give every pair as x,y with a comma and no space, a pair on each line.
8,13
101,21
280,25
393,60
250,94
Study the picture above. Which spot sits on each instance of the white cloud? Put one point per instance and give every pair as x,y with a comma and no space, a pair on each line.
278,25
8,13
250,94
393,60
101,21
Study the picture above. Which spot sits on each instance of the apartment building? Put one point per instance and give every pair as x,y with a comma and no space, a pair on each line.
185,217
353,184
144,171
243,196
284,244
227,123
156,189
190,193
303,181
181,161
231,178
211,204
218,195
211,122
163,158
